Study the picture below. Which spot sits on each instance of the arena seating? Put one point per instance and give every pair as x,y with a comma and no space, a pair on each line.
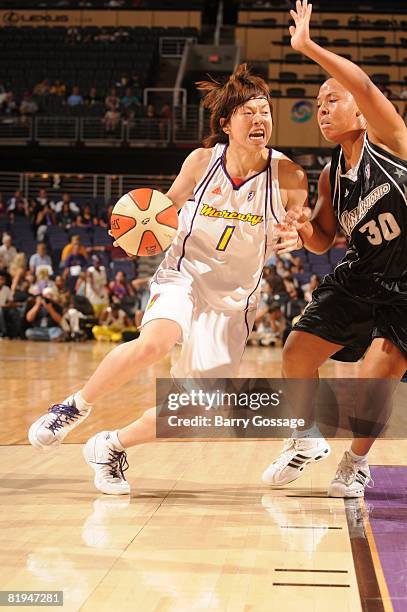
100,4
98,58
377,42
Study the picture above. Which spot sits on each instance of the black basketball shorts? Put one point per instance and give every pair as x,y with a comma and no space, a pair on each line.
338,317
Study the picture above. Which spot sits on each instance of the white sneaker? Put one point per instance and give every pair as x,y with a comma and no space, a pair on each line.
351,478
108,463
51,428
296,454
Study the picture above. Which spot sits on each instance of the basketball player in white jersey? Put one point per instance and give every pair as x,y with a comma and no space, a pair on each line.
361,308
204,294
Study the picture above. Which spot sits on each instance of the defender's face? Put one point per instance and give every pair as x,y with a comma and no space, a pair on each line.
251,124
337,111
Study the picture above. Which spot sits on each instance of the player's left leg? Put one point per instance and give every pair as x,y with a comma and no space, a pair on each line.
384,365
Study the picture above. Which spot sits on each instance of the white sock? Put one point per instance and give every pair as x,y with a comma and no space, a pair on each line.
79,401
115,439
312,432
356,458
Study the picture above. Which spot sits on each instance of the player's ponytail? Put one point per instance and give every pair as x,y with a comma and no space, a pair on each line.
222,99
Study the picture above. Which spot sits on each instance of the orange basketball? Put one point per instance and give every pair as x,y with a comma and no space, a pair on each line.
144,222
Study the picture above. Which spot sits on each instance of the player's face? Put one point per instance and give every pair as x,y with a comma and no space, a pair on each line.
251,124
338,114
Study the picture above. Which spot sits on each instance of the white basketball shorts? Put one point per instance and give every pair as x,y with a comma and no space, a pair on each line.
212,342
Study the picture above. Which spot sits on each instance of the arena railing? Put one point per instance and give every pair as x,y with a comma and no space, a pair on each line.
16,132
103,187
106,187
173,46
92,131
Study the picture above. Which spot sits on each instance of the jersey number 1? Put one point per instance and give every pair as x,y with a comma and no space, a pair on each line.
225,238
388,230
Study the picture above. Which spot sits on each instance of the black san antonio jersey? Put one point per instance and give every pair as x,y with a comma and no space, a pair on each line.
370,202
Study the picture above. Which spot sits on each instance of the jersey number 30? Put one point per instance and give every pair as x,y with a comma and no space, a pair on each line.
388,229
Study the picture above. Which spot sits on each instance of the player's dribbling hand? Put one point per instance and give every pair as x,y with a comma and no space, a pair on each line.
115,244
299,32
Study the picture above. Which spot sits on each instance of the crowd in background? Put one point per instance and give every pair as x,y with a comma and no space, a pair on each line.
43,212
283,299
72,295
124,101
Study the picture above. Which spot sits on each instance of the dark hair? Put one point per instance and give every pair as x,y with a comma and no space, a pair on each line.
222,99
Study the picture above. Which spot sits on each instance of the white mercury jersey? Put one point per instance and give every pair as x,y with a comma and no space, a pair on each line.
224,235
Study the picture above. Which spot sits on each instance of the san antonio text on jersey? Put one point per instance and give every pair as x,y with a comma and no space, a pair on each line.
370,202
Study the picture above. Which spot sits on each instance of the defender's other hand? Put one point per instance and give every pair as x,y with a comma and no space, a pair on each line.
298,218
285,239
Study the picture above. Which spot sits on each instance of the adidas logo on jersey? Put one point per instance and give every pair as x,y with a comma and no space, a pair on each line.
217,191
210,211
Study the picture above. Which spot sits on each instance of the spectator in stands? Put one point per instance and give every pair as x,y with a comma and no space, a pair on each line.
150,111
17,205
129,99
66,199
42,281
89,220
111,119
142,294
44,316
43,219
62,293
58,88
9,105
73,36
42,88
113,321
104,217
112,100
119,288
68,249
3,205
66,217
5,297
115,3
17,269
28,107
292,308
40,258
314,282
30,280
41,201
92,97
96,286
7,250
135,84
296,266
124,82
77,222
74,267
274,280
75,99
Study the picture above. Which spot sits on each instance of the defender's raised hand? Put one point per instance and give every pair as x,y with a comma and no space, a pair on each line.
299,32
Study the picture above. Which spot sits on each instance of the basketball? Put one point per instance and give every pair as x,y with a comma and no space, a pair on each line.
144,222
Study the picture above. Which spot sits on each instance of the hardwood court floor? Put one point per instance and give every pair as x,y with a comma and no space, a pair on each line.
199,532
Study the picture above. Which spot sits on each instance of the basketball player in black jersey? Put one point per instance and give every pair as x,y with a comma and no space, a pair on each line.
360,309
